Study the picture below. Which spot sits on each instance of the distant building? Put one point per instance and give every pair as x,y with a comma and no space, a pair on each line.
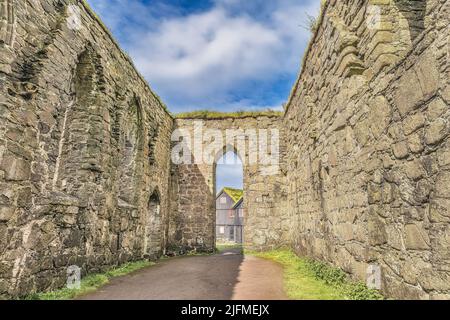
230,215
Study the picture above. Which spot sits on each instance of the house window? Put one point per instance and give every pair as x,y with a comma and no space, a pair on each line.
223,200
222,230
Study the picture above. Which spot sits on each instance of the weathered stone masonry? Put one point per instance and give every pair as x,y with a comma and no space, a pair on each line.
368,148
84,150
86,177
193,219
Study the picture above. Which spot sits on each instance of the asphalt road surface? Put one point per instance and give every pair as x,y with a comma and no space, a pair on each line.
225,276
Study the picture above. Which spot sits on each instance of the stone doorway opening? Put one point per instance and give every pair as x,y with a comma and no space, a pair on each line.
229,202
153,232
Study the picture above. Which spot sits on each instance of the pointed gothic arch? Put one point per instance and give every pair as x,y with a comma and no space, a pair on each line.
229,215
153,245
7,22
397,24
78,161
414,12
131,148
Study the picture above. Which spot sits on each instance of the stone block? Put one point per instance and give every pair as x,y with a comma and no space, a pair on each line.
377,231
440,210
444,158
3,238
379,115
345,231
427,70
409,92
413,122
400,150
388,193
446,93
436,131
414,170
416,237
6,212
442,185
394,237
436,109
374,193
413,269
16,169
415,143
435,280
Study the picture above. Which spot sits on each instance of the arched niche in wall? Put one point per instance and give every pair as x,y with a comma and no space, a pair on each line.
349,61
7,22
80,148
153,227
392,28
131,146
152,139
414,12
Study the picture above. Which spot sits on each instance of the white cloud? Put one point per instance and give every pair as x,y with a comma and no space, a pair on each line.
206,52
229,176
208,59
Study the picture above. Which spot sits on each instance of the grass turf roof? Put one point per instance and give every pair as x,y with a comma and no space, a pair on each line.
235,194
208,114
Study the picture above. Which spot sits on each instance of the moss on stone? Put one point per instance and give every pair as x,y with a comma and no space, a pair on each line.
235,194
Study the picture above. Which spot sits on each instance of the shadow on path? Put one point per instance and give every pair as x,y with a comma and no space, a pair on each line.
225,276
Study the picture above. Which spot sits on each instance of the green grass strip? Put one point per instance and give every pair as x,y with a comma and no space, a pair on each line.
306,279
221,247
91,283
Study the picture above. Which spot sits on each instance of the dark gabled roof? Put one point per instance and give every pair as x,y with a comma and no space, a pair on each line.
238,203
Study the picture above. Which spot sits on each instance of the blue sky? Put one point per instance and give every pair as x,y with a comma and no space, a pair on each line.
229,172
224,55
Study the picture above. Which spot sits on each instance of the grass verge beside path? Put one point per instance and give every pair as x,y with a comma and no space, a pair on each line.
91,283
221,247
306,279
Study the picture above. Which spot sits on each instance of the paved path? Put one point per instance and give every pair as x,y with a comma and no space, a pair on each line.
225,276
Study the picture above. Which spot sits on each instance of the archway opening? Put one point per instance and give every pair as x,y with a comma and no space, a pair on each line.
230,212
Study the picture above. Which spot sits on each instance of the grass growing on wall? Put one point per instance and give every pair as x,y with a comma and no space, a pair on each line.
91,283
208,114
305,279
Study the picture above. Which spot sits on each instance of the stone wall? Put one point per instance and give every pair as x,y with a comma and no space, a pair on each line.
193,225
84,149
368,149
